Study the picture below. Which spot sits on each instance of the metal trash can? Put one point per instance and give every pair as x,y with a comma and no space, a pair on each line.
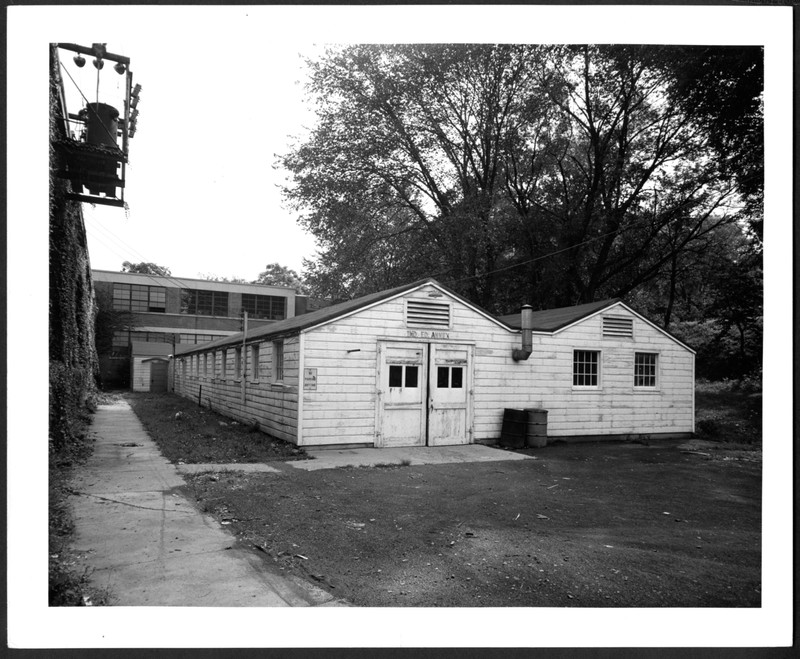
536,428
515,426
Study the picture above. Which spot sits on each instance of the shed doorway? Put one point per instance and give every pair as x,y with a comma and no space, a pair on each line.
158,375
425,394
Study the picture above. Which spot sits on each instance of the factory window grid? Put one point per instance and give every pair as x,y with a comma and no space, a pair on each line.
267,307
139,298
586,369
204,302
645,370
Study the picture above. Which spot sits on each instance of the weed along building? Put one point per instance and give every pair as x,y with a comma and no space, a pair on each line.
419,365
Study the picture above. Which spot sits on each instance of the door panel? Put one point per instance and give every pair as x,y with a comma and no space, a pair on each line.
449,417
402,379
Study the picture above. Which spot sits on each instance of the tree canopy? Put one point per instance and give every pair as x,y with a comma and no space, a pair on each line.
514,173
146,268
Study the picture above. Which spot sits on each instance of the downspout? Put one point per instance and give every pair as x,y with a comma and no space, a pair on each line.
522,354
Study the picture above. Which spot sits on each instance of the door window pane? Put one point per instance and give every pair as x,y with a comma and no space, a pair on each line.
443,377
412,373
457,377
395,376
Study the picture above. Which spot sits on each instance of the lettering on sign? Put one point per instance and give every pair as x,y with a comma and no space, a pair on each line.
428,334
309,379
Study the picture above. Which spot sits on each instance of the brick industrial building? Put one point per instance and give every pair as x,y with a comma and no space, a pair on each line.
150,315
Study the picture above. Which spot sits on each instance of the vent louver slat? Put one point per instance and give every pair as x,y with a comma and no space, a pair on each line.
617,326
420,313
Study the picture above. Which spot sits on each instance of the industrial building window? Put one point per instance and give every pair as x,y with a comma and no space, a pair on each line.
421,313
270,307
396,372
204,303
277,360
617,326
450,377
585,368
254,361
644,369
139,298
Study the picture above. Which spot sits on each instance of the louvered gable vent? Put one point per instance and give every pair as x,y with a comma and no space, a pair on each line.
617,326
421,313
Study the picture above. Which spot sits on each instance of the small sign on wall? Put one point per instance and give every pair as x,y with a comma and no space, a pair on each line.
309,379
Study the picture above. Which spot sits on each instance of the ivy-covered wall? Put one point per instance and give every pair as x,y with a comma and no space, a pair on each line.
73,358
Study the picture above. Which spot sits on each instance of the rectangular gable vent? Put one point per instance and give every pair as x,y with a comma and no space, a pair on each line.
421,313
617,326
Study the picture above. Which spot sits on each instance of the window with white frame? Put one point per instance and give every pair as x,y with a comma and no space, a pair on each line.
645,370
586,368
254,362
277,360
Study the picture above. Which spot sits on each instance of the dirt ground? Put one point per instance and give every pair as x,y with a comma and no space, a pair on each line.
600,525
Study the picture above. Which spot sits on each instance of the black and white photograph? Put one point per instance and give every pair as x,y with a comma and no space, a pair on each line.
400,326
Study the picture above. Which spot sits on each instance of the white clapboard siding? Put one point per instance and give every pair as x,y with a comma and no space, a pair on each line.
341,407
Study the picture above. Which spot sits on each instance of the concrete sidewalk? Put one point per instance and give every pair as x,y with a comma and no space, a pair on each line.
149,545
414,455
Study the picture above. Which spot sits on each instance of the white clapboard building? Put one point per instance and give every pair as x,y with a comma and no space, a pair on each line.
419,365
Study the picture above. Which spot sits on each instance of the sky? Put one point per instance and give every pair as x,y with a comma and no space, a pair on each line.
218,100
202,187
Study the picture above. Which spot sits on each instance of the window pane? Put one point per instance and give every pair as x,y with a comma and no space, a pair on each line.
443,377
220,307
457,377
395,376
412,373
585,368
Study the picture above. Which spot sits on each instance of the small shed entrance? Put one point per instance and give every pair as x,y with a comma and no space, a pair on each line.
158,374
424,394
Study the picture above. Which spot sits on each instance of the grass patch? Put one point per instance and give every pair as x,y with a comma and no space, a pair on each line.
727,412
191,434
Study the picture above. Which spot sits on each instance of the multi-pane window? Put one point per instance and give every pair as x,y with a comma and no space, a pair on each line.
396,379
585,368
645,366
139,298
198,338
277,360
450,377
254,361
204,303
270,307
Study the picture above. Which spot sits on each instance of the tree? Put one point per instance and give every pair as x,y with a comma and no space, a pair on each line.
274,274
208,276
146,268
552,175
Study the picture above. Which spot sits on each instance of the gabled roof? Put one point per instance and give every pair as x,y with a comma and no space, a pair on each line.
553,320
304,321
550,320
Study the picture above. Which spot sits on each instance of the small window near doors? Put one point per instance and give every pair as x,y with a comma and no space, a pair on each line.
450,377
396,373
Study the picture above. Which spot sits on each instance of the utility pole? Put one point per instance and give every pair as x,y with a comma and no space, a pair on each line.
244,356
